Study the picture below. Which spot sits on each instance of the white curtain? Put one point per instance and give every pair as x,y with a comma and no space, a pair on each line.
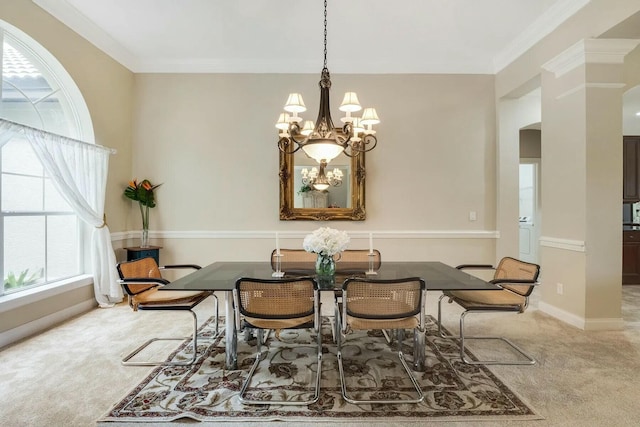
79,172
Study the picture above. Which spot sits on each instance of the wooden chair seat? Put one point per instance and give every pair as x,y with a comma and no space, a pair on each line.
155,297
378,324
479,300
277,324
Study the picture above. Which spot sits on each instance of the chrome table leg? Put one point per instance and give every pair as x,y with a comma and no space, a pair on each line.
419,345
231,338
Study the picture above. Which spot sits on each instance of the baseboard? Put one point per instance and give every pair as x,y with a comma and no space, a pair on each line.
604,324
607,324
39,325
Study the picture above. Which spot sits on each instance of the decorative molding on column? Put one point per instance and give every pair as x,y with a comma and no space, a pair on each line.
591,51
591,85
565,244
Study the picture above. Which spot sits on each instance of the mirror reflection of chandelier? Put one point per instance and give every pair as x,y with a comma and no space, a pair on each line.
322,141
320,180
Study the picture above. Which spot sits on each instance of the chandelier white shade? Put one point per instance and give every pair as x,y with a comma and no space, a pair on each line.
322,140
295,104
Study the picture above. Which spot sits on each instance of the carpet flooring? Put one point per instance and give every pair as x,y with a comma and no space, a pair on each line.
206,391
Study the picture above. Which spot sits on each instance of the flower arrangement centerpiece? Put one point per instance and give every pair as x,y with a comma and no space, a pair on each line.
326,242
142,192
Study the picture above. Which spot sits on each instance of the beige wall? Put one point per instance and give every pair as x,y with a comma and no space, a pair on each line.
210,139
632,68
107,88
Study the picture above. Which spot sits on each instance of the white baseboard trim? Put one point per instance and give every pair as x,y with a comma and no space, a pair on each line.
609,324
270,234
39,325
606,324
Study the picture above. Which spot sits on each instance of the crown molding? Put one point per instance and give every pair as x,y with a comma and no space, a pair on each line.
424,65
591,86
591,51
540,28
66,13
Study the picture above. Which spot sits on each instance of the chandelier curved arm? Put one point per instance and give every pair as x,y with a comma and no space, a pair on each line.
288,145
367,143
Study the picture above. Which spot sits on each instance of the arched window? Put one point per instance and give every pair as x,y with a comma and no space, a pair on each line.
41,236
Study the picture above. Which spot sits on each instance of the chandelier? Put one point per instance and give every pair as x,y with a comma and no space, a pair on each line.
322,141
320,180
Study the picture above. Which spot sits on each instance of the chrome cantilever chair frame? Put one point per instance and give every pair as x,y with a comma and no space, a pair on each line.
508,285
135,286
344,313
268,319
215,297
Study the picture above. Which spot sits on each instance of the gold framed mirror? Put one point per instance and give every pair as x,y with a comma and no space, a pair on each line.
343,202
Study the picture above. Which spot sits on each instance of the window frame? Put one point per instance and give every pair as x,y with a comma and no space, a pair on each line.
79,126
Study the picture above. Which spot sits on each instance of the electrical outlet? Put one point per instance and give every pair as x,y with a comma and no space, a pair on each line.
473,216
559,288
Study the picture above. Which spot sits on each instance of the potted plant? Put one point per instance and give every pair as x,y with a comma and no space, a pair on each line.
143,194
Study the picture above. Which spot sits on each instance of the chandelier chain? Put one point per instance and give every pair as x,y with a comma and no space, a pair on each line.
325,34
322,141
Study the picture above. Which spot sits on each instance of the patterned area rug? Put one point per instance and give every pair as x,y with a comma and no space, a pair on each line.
207,392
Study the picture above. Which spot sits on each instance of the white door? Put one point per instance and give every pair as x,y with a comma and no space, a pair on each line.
529,219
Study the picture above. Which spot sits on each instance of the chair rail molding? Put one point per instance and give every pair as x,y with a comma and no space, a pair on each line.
565,244
269,234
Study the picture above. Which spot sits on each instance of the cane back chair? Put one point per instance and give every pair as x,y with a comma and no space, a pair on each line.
277,304
369,304
517,279
141,280
349,261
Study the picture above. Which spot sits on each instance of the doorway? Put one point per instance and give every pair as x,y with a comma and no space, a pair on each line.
529,210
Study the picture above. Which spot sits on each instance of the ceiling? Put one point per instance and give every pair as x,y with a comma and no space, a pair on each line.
284,36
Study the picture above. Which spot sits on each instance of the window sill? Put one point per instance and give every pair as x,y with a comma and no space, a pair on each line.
19,299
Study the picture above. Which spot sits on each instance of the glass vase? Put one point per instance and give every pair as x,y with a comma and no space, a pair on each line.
325,267
144,212
144,238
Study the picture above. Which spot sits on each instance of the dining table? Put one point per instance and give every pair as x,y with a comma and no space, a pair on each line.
221,276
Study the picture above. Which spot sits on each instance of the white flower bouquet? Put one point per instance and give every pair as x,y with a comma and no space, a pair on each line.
326,241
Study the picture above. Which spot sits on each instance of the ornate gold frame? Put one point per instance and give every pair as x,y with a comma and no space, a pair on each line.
355,213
